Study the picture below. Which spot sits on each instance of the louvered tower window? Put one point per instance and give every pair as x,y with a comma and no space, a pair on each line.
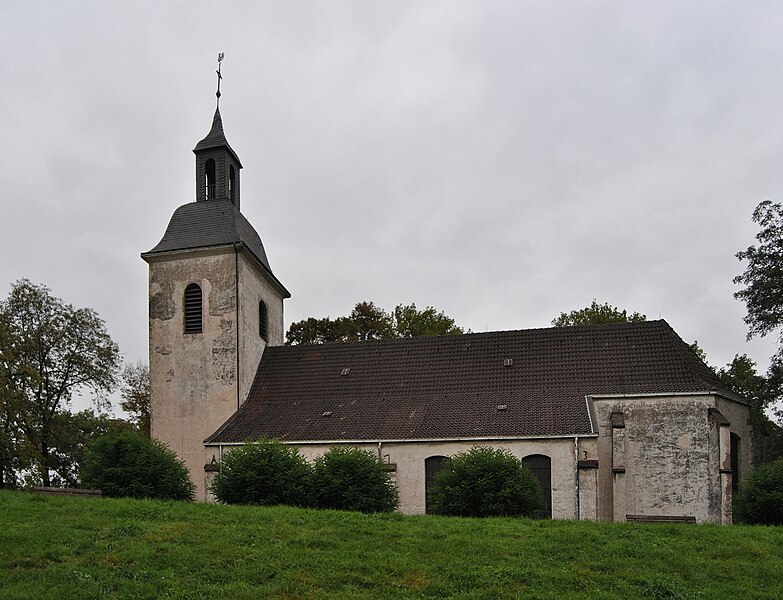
263,320
193,308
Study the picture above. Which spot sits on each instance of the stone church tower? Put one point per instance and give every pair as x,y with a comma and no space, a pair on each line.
214,305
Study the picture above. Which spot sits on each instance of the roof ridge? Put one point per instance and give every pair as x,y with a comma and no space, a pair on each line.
572,330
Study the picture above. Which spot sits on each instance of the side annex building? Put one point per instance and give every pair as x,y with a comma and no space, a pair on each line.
616,421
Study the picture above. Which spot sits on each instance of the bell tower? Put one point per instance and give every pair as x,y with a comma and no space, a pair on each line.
217,166
214,305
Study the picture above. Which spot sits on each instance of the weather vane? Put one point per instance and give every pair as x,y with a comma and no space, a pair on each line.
220,60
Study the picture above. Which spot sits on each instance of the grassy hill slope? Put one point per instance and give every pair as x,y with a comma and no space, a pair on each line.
57,547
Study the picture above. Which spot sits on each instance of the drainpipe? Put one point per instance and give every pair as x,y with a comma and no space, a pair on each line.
236,324
380,450
576,479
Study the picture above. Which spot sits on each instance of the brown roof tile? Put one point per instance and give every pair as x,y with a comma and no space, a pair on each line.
451,386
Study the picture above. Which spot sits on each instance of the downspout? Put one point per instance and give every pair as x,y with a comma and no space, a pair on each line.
380,451
576,479
236,302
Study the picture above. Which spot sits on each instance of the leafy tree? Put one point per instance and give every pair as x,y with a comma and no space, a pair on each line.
412,322
760,497
55,350
763,291
14,451
353,479
597,314
127,464
367,321
135,393
73,434
267,472
314,331
486,482
699,351
763,276
741,377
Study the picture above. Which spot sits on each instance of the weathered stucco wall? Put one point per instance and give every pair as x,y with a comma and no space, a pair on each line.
409,474
740,423
193,378
254,287
661,456
197,380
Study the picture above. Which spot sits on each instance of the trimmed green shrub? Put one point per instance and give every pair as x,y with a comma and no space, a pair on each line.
353,479
760,497
486,482
128,464
265,472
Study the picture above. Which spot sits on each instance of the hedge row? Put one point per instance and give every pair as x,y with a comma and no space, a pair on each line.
269,473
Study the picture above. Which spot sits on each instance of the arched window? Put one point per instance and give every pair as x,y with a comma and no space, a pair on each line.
231,182
209,176
263,320
735,462
192,311
541,466
432,466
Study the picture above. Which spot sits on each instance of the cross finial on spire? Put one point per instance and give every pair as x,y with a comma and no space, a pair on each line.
220,60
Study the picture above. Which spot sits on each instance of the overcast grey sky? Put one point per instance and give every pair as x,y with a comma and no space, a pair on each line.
501,161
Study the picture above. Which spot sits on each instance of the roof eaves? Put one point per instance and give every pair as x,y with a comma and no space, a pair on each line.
160,253
265,269
212,441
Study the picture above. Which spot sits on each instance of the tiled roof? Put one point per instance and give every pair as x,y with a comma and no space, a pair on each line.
209,223
452,386
216,138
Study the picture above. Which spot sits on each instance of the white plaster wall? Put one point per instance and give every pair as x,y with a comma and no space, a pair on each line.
409,458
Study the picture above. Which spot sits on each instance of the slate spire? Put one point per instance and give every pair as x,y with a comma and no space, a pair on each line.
217,165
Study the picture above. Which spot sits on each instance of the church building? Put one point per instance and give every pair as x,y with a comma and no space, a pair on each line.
618,421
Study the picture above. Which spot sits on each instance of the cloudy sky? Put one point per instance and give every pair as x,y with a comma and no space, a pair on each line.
501,161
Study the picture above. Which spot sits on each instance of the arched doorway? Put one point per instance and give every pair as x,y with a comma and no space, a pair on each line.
541,466
432,466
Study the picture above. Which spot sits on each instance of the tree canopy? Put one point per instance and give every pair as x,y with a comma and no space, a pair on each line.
367,321
763,276
135,392
763,293
597,314
50,352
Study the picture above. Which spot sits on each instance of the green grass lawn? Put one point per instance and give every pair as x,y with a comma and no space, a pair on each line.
59,547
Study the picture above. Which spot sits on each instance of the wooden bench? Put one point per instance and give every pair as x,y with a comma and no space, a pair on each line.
56,491
660,519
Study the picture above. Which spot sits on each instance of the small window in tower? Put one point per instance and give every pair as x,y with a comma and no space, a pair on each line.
193,308
209,175
263,319
231,181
